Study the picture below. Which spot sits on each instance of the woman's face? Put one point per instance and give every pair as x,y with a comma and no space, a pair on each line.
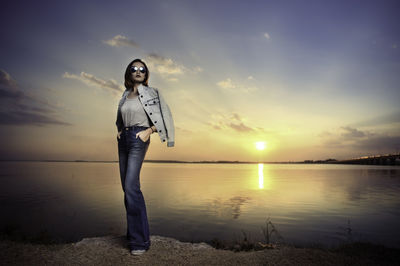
137,70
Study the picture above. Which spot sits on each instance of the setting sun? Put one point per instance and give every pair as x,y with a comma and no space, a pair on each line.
260,145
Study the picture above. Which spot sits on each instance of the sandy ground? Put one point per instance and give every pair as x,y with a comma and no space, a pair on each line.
113,250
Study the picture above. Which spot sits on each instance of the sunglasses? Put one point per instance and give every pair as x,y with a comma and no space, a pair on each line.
135,68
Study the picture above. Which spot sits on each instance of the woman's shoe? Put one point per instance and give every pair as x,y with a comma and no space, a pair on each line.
137,252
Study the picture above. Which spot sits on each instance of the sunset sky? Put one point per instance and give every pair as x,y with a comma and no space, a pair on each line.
311,79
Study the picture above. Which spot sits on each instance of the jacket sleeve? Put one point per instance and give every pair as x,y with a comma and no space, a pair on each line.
168,120
119,122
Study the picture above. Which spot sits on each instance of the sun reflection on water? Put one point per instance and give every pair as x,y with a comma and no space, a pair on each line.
260,175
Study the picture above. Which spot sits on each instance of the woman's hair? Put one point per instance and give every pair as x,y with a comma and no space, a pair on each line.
128,75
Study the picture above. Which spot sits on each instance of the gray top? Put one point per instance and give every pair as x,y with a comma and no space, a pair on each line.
133,113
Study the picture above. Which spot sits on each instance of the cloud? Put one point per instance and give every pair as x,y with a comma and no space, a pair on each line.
163,65
226,84
92,80
120,40
352,133
362,142
240,127
198,69
324,134
231,87
236,117
344,135
233,121
16,117
6,80
168,68
390,118
382,143
19,108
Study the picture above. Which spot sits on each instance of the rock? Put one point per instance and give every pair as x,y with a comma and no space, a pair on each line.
178,244
117,241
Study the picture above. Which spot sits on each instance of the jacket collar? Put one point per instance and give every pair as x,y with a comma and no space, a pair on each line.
141,88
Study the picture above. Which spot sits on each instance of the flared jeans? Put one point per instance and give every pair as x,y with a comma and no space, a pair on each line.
131,153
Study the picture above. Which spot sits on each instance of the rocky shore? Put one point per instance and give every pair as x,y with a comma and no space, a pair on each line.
112,250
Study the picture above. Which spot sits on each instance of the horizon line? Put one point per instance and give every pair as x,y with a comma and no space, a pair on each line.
330,160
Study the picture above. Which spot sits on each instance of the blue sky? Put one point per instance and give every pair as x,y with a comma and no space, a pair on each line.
312,79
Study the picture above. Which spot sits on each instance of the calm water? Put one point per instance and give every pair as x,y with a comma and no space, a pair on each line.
197,202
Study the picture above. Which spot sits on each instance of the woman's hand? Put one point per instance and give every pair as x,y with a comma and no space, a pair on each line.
119,135
144,135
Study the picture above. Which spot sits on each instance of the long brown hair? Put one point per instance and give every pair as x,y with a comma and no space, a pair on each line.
128,75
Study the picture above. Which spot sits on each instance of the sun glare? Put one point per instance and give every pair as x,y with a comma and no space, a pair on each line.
260,145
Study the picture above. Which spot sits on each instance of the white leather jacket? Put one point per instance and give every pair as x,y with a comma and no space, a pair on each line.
157,111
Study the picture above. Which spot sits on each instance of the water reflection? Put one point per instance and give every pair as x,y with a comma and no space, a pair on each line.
261,175
203,201
264,177
230,208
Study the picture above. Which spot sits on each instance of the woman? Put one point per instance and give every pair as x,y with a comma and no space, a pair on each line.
141,111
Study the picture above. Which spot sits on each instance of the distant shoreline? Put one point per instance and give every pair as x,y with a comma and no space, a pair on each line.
372,160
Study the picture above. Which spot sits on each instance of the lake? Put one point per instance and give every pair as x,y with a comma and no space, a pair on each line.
307,203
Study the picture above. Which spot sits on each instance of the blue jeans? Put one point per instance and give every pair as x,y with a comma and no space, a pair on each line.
131,153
